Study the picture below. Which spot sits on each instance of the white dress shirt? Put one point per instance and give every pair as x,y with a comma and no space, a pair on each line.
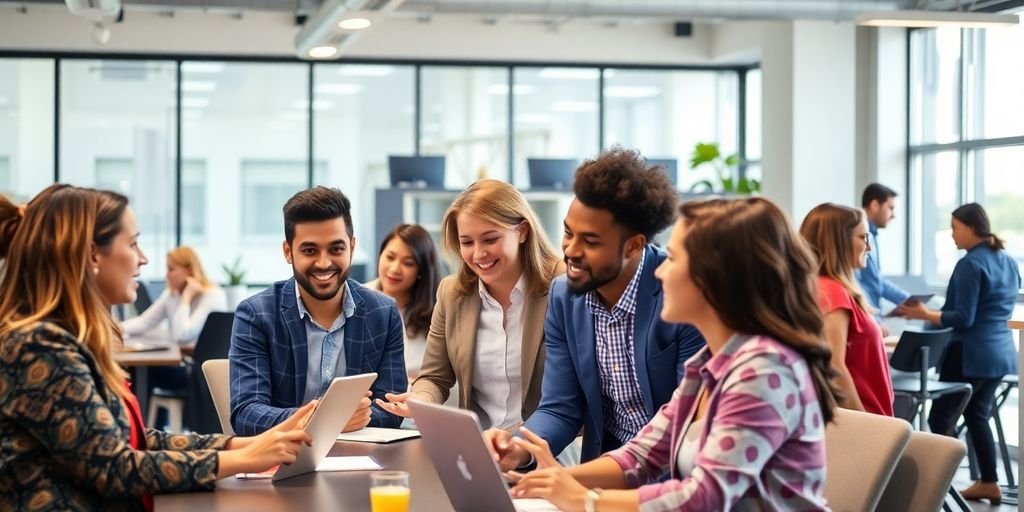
497,394
184,321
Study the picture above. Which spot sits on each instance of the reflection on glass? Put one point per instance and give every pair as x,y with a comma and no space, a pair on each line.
558,119
997,83
118,133
371,118
26,126
937,178
997,171
655,112
464,116
935,85
244,153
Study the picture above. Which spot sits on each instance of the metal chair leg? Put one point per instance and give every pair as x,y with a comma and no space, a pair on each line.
959,500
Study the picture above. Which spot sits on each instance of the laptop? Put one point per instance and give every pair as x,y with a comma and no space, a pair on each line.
330,416
470,476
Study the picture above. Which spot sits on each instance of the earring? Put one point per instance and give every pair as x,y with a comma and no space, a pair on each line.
95,270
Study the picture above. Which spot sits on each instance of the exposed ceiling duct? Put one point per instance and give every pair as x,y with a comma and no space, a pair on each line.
327,32
663,9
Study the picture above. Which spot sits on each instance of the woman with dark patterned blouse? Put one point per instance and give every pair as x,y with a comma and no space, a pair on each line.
71,434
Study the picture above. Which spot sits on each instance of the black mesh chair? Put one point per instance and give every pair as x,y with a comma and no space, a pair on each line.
213,343
916,354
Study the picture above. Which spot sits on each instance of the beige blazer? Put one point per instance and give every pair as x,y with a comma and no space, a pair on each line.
451,346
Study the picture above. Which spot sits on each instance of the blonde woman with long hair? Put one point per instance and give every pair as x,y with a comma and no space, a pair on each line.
189,298
71,433
487,331
839,237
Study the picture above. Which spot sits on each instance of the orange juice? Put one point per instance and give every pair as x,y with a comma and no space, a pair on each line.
389,498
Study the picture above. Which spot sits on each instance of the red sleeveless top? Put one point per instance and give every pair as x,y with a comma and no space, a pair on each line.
138,434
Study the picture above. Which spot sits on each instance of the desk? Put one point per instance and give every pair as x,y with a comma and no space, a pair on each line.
169,356
347,491
1018,324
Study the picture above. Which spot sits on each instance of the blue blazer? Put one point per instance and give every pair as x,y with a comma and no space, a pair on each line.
269,355
979,301
571,390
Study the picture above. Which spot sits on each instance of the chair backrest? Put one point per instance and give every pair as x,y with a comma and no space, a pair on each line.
142,298
218,380
923,474
213,343
907,355
861,451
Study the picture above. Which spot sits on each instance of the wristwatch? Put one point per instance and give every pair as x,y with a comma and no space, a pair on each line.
590,500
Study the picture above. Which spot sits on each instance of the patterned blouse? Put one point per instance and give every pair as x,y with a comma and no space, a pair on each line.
64,437
761,448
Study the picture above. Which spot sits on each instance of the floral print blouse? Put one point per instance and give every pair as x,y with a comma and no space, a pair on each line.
64,436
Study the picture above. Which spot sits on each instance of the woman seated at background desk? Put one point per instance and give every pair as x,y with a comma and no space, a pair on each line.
71,433
839,236
408,272
189,298
979,301
745,429
487,331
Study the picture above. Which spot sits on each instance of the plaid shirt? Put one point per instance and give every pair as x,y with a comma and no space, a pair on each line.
620,389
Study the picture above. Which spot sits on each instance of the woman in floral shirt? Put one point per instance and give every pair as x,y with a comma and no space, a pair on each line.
745,428
71,433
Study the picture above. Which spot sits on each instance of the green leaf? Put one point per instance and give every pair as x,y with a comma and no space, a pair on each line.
732,160
704,153
702,186
743,186
728,185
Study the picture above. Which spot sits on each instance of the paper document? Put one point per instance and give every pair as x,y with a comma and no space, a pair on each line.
534,505
348,464
378,435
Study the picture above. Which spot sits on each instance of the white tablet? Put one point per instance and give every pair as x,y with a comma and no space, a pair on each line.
334,411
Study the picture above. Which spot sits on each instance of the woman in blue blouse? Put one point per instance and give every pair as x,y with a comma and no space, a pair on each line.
979,301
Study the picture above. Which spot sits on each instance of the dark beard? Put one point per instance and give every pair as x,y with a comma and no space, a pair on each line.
307,285
596,281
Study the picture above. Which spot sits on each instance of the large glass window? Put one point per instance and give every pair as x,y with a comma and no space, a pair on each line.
26,126
653,111
753,125
935,87
997,171
117,132
248,124
464,116
366,113
998,110
559,119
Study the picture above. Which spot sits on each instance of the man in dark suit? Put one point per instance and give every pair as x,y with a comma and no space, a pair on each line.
611,361
290,340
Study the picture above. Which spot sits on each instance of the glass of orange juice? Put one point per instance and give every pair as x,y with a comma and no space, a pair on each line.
389,491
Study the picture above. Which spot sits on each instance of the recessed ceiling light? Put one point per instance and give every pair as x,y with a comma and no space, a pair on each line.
322,52
201,67
366,70
198,86
574,106
317,104
569,73
338,89
630,91
354,23
195,102
517,89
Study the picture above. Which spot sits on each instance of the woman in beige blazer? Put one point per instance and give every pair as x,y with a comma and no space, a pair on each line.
487,330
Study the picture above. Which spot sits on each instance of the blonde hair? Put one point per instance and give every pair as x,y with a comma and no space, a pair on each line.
186,257
828,228
47,276
500,203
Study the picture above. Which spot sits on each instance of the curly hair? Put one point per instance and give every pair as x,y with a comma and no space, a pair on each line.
639,196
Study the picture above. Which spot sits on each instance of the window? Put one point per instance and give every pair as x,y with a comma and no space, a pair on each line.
248,124
26,126
464,116
935,85
752,151
362,114
557,120
998,108
997,171
117,132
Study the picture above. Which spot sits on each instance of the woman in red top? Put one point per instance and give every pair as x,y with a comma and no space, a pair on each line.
839,236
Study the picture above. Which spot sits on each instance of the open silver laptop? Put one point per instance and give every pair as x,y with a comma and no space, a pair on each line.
335,409
455,444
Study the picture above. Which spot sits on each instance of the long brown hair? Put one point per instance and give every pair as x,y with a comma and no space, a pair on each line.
47,276
498,202
828,228
760,278
423,294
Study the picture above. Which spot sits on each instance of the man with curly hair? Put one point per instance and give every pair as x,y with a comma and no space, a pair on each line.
611,361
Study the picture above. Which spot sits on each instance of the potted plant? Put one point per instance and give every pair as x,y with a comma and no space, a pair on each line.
236,289
727,182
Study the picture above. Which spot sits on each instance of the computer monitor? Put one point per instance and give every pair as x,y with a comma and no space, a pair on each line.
416,171
670,165
552,173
